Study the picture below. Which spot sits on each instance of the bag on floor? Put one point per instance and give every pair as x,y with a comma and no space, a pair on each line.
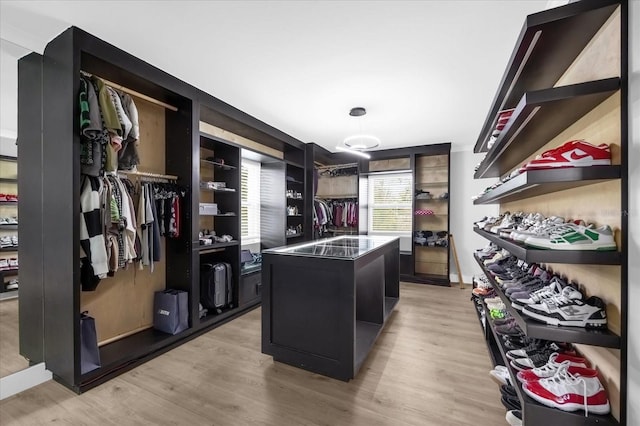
171,311
89,351
215,285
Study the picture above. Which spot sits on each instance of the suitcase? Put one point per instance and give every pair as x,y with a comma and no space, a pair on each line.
215,286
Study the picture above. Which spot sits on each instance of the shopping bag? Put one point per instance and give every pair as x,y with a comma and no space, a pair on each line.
89,352
171,311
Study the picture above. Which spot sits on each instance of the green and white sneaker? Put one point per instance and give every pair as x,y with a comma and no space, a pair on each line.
575,237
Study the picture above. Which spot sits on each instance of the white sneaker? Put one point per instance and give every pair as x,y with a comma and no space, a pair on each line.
500,374
514,417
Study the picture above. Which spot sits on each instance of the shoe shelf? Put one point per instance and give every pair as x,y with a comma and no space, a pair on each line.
534,413
218,165
12,248
8,180
539,330
8,158
539,116
295,235
549,40
9,203
532,255
8,273
8,227
219,190
539,182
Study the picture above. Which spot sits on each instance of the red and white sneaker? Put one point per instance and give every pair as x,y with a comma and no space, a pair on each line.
575,153
569,392
551,368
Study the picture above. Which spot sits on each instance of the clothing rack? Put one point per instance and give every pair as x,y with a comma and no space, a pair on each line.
132,92
337,167
153,177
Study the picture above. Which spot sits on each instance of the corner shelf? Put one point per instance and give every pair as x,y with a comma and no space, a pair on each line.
550,40
532,255
539,182
540,116
537,414
540,330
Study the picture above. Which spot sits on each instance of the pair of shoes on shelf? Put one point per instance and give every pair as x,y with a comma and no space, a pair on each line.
12,198
10,264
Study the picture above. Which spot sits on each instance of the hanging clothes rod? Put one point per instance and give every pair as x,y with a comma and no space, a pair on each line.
132,92
136,173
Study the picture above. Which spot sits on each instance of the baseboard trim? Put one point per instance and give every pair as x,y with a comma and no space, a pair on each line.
23,380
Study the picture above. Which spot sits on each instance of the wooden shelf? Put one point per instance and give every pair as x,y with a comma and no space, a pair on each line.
540,330
539,182
532,255
218,165
492,346
203,249
227,190
540,116
295,235
549,40
536,413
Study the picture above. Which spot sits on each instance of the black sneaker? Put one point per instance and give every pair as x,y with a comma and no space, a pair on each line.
511,402
508,390
535,360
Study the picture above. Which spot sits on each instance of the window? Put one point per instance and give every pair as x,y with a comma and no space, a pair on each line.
390,198
250,202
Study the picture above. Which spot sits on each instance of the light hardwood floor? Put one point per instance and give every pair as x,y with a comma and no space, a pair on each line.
429,367
10,359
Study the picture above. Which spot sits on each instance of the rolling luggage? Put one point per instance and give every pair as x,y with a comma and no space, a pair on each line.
215,286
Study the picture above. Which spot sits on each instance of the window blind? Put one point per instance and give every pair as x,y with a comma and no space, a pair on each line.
390,198
250,202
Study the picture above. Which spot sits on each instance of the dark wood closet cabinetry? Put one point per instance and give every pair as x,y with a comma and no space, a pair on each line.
172,143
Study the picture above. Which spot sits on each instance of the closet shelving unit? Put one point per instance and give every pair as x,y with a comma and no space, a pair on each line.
295,181
540,83
171,132
8,184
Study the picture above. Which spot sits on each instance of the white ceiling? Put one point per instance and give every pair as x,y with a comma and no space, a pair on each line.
426,71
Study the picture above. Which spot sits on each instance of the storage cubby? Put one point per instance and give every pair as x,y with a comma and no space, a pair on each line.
9,224
569,88
295,208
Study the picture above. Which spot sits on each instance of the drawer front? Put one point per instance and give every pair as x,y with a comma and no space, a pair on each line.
250,288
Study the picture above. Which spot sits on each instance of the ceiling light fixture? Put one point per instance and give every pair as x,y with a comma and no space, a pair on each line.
357,143
353,151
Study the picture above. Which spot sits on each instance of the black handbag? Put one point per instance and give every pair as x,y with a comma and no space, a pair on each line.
89,351
171,311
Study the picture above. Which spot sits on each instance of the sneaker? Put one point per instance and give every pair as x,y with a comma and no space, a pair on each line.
13,263
4,264
508,390
511,402
575,153
514,417
500,374
575,238
550,369
12,285
568,392
510,329
5,242
541,358
11,198
570,312
520,299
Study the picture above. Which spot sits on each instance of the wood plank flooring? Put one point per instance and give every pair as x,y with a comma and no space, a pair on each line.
10,359
429,367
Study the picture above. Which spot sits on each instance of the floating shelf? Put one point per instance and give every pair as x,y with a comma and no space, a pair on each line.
538,414
539,182
538,118
218,165
539,330
550,40
532,255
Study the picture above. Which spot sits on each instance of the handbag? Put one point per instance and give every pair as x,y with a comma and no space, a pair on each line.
171,311
89,352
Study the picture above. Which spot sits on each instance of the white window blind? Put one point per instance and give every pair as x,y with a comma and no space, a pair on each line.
250,202
390,198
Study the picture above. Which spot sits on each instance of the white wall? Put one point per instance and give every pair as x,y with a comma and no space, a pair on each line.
9,55
463,212
633,327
